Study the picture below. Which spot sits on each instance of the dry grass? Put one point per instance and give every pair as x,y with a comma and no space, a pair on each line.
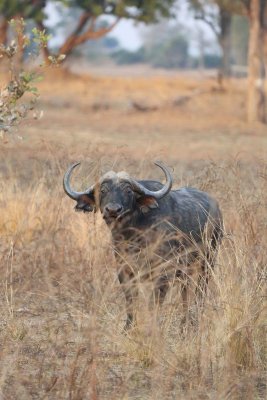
62,308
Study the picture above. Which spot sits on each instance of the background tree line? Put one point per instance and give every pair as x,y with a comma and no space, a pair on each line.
169,46
219,15
255,11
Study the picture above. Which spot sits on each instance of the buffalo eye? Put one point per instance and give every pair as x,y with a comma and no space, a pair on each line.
127,189
104,189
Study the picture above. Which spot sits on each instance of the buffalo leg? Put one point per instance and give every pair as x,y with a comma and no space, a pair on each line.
130,291
161,289
189,289
207,265
203,281
184,294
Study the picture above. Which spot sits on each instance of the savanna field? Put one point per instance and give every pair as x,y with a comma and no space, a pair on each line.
62,307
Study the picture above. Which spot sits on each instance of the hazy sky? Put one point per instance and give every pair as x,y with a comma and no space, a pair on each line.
130,33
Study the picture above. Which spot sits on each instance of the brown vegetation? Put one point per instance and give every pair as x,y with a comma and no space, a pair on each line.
62,308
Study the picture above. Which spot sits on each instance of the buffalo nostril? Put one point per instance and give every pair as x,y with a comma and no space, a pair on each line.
113,209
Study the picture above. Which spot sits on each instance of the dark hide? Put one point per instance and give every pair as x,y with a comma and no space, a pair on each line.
186,224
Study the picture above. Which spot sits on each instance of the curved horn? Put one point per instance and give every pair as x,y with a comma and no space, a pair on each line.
138,187
66,184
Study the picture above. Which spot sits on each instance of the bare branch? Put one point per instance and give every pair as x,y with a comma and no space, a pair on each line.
3,30
77,37
91,34
213,27
70,41
246,5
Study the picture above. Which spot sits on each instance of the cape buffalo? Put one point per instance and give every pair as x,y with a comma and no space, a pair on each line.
185,224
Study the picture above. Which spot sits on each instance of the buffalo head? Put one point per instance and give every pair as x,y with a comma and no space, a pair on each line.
117,195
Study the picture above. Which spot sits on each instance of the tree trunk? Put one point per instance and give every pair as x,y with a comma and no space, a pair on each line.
225,21
3,30
256,95
264,34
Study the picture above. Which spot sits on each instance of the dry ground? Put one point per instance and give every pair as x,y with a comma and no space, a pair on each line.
62,309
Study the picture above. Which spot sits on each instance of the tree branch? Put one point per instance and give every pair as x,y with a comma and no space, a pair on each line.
82,22
246,6
70,41
3,30
203,18
91,34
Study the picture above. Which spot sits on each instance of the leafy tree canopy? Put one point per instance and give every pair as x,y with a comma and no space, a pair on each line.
232,6
85,27
28,9
141,10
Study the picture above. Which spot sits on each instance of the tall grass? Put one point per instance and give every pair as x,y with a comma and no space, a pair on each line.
63,310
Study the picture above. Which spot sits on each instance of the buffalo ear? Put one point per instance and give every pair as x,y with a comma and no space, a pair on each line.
146,203
86,203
